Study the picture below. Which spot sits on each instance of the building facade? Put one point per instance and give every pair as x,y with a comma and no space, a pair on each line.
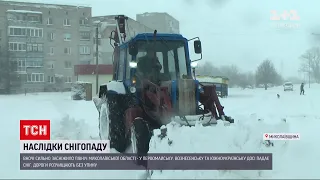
42,43
107,24
162,22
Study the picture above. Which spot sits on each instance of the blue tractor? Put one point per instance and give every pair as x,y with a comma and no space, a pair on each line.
153,84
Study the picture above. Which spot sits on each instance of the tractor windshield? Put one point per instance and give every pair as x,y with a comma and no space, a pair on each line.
171,56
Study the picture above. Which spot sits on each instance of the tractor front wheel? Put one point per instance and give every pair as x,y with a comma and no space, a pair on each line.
112,123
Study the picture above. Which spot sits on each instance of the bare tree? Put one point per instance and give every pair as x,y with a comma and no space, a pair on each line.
245,79
310,63
266,73
208,69
232,72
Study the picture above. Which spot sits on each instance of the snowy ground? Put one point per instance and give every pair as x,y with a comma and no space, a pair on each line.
78,120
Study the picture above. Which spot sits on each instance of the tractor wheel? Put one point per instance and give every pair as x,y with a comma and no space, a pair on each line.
112,123
140,139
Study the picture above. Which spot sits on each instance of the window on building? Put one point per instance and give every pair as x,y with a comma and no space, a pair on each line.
84,50
68,79
35,77
17,46
66,22
67,64
40,47
51,79
34,62
17,31
20,65
51,50
50,21
33,47
34,18
51,36
85,36
67,50
67,37
83,21
30,32
29,47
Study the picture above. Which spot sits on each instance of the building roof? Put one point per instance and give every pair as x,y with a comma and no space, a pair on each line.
87,69
24,11
41,5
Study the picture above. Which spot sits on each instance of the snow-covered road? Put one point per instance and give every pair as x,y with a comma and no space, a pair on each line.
78,120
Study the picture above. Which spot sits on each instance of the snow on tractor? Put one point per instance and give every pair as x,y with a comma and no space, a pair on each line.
152,85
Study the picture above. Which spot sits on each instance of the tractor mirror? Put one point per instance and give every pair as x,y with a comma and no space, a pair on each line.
133,50
197,46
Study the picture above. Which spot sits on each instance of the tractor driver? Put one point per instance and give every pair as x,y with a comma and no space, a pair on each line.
149,66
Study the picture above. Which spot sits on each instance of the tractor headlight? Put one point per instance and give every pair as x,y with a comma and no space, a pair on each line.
133,89
133,64
133,81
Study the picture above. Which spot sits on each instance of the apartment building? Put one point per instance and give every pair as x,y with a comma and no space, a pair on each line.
43,42
163,22
107,24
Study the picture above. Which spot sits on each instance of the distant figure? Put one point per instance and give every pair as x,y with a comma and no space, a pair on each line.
302,89
278,95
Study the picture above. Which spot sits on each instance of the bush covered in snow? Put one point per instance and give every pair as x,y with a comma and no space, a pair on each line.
78,91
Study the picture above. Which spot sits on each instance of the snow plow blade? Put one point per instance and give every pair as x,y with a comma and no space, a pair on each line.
205,120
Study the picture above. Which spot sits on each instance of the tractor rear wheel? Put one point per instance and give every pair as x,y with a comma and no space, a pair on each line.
140,139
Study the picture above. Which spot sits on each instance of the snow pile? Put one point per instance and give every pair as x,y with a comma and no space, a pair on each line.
256,112
242,137
71,129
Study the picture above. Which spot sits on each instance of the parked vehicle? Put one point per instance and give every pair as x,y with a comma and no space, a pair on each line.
288,86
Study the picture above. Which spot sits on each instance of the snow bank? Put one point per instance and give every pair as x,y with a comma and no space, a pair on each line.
71,129
242,137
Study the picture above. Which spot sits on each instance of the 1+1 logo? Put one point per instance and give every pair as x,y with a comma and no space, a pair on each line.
285,19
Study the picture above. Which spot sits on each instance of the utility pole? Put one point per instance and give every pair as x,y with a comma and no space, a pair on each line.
97,58
309,71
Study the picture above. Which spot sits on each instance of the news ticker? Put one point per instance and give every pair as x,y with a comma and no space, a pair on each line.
110,161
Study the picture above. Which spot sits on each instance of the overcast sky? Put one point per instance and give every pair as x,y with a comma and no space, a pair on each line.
236,32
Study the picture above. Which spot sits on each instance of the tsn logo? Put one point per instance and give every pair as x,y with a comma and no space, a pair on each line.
34,129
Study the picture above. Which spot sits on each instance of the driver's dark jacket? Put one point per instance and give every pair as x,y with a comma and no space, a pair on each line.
145,65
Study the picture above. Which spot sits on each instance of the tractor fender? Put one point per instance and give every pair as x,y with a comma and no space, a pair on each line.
112,87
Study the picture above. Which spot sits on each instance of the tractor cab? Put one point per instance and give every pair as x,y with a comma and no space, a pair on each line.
144,51
161,61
